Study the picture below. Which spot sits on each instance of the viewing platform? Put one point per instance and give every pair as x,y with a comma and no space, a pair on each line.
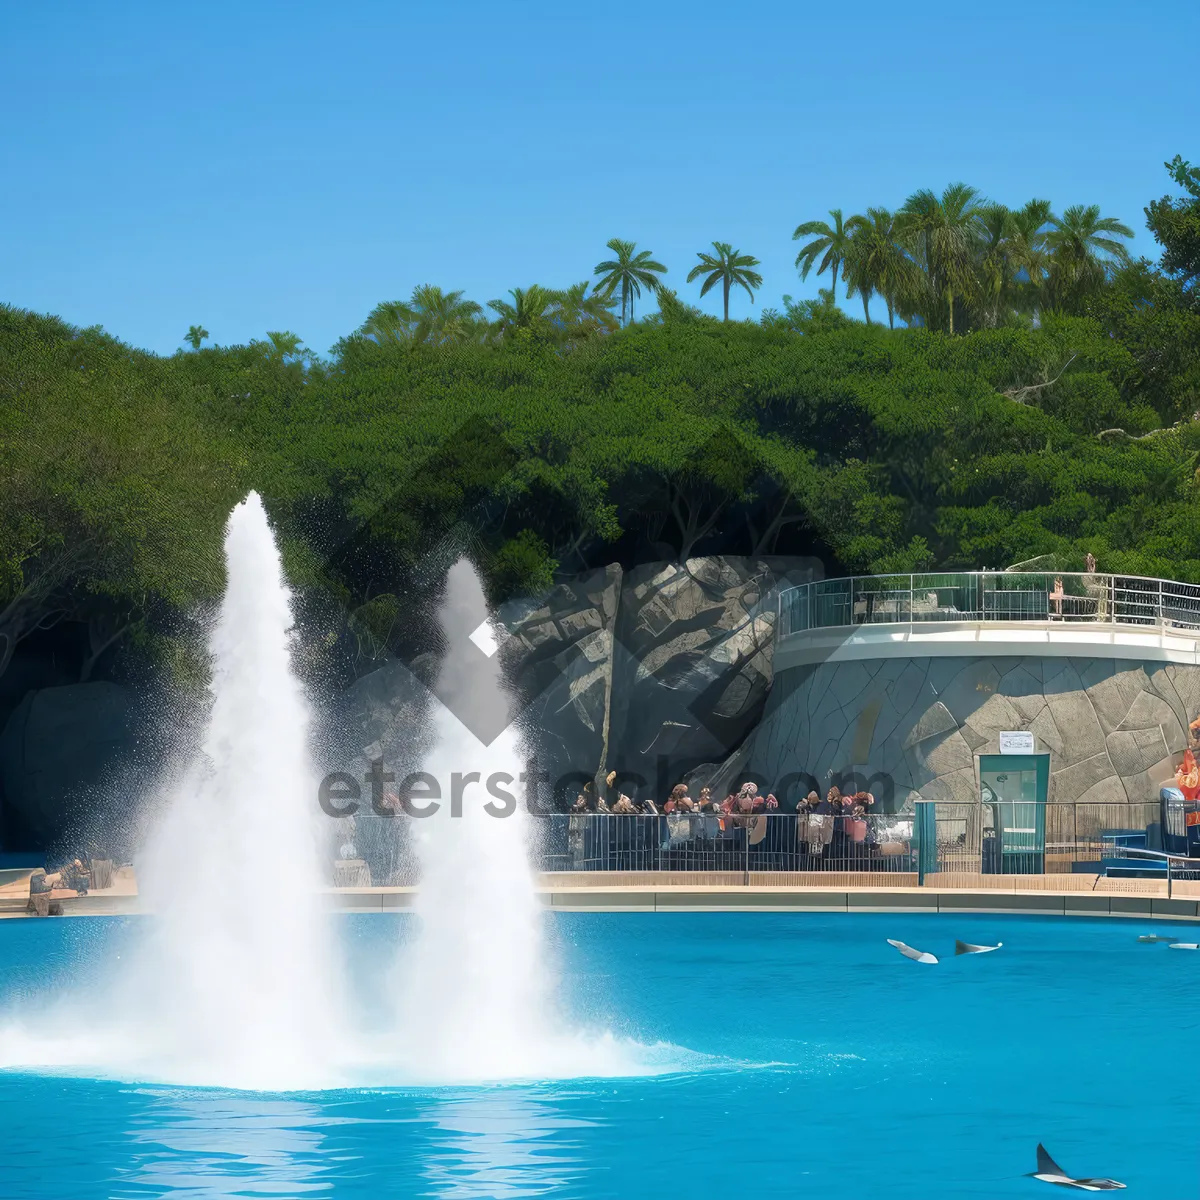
1009,613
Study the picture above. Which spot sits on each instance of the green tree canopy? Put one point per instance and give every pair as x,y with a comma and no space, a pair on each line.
1175,222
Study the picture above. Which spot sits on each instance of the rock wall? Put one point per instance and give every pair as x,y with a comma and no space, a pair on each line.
693,664
650,671
559,662
1114,729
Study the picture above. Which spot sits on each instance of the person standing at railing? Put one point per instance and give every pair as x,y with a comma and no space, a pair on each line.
1056,598
679,815
1096,587
779,835
577,825
820,825
806,831
856,830
709,821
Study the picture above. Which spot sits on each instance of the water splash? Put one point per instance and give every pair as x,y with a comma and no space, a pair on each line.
480,993
232,980
239,967
477,984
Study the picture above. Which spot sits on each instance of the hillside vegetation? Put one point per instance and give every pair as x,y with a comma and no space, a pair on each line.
1058,418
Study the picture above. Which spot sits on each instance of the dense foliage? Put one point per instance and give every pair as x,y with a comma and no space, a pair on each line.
1057,420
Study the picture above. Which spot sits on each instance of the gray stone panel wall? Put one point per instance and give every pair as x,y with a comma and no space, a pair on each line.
1115,729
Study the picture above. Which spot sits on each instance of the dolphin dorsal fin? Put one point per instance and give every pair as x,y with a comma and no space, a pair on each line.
961,947
1047,1165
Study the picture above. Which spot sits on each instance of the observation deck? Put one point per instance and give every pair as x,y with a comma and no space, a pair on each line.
1067,614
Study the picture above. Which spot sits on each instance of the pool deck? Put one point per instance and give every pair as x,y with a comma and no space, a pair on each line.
1043,895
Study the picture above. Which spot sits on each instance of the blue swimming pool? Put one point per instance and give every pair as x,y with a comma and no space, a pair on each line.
826,1066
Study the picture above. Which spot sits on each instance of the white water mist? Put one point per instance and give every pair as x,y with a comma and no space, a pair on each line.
239,967
480,994
476,980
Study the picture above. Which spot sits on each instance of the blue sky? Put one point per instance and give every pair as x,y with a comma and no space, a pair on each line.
251,166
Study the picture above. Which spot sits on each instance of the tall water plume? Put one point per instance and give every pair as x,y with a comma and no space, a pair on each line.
480,994
476,987
236,974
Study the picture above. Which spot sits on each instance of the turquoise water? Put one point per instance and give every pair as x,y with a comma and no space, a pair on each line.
833,1068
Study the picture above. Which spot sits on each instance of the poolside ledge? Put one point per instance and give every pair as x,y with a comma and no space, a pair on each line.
1055,896
737,898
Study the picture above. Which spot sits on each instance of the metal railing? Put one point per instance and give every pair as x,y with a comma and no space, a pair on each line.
969,842
709,842
1173,866
979,596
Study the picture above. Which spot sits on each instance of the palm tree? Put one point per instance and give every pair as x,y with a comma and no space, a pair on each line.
1083,247
728,267
875,262
195,335
996,268
391,321
580,314
1029,254
628,271
830,242
442,317
530,308
431,317
281,346
943,234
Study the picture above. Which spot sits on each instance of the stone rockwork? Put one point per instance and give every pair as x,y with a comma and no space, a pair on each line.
646,672
693,664
1114,729
558,660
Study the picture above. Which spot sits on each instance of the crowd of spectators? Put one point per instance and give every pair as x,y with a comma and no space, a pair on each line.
820,832
744,802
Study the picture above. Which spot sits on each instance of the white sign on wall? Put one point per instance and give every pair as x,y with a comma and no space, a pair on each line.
1017,741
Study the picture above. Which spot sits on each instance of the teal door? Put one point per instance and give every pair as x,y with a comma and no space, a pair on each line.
1013,790
925,835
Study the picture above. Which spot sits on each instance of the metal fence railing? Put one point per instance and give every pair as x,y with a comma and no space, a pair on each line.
978,596
966,843
711,842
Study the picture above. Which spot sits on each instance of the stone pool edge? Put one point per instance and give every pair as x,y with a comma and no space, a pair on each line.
698,898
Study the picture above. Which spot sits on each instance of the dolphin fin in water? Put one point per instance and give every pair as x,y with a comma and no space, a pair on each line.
1048,1171
921,956
968,948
